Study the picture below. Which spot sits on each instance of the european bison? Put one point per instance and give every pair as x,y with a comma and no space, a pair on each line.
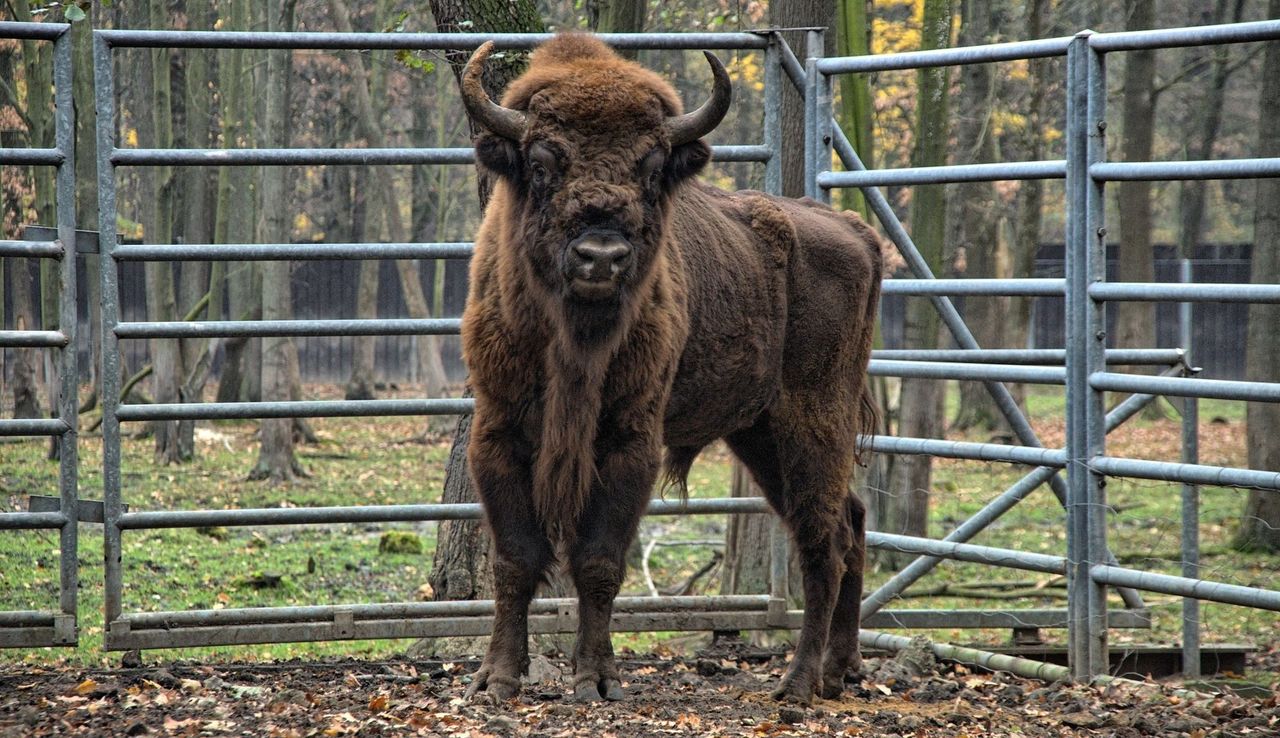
617,306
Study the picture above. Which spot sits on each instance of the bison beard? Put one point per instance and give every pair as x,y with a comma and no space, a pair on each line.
617,306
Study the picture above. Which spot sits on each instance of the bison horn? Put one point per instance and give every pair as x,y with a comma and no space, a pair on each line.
502,121
683,129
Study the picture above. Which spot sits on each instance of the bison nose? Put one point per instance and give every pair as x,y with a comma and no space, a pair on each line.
602,256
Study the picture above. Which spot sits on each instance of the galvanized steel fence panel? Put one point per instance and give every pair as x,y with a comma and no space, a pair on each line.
1082,367
41,627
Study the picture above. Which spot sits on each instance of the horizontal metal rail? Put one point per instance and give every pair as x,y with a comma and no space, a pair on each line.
998,172
1183,292
227,328
1218,389
968,552
32,339
292,251
1038,287
31,520
29,157
26,618
1151,171
287,157
296,409
393,513
443,609
362,156
1049,457
1227,33
1200,589
1167,471
986,372
29,249
425,41
1124,357
33,427
903,618
1012,51
32,31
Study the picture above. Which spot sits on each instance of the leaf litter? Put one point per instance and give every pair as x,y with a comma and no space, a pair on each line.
714,693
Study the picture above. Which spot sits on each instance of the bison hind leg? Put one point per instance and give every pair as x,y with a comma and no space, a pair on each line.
842,655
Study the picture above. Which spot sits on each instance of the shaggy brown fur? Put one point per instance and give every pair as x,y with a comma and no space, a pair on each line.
617,307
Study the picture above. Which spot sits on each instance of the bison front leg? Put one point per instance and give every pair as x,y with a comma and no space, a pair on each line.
598,563
522,554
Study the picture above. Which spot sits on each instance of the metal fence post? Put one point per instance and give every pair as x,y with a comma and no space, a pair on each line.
1076,293
68,399
1190,493
772,114
104,87
1095,343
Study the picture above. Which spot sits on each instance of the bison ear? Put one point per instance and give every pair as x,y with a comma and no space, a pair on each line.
498,155
686,160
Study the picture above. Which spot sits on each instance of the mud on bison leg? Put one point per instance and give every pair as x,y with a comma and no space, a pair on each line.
842,644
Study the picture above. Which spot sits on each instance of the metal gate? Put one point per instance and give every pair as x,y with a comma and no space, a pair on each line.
39,627
1082,367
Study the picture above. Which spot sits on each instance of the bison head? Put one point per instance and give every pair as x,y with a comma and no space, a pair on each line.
591,147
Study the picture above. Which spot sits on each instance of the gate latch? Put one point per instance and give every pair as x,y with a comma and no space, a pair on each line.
88,511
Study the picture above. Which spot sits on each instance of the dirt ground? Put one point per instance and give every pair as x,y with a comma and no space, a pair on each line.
721,692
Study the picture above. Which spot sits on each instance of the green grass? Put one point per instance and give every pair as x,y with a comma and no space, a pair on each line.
374,461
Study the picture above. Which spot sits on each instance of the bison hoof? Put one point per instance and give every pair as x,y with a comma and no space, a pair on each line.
491,689
794,690
832,688
590,690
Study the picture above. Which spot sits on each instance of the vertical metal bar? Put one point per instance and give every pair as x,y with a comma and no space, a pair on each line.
1077,380
811,75
1190,495
772,111
1095,343
779,569
67,324
104,97
812,105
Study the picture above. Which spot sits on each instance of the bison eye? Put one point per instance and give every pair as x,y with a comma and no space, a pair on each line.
650,168
542,165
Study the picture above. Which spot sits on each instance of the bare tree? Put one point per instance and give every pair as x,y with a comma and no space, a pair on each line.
920,406
460,568
977,213
1260,525
1136,321
276,460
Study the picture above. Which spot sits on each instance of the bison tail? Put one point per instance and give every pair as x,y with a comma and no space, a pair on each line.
868,423
675,470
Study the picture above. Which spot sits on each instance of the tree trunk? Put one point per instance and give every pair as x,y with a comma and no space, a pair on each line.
276,460
1204,118
153,112
86,143
409,270
799,14
1136,321
920,406
26,387
236,216
1026,240
978,213
747,551
1260,525
197,221
853,38
462,555
617,16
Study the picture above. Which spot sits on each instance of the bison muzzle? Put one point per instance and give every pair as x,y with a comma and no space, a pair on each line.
617,307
